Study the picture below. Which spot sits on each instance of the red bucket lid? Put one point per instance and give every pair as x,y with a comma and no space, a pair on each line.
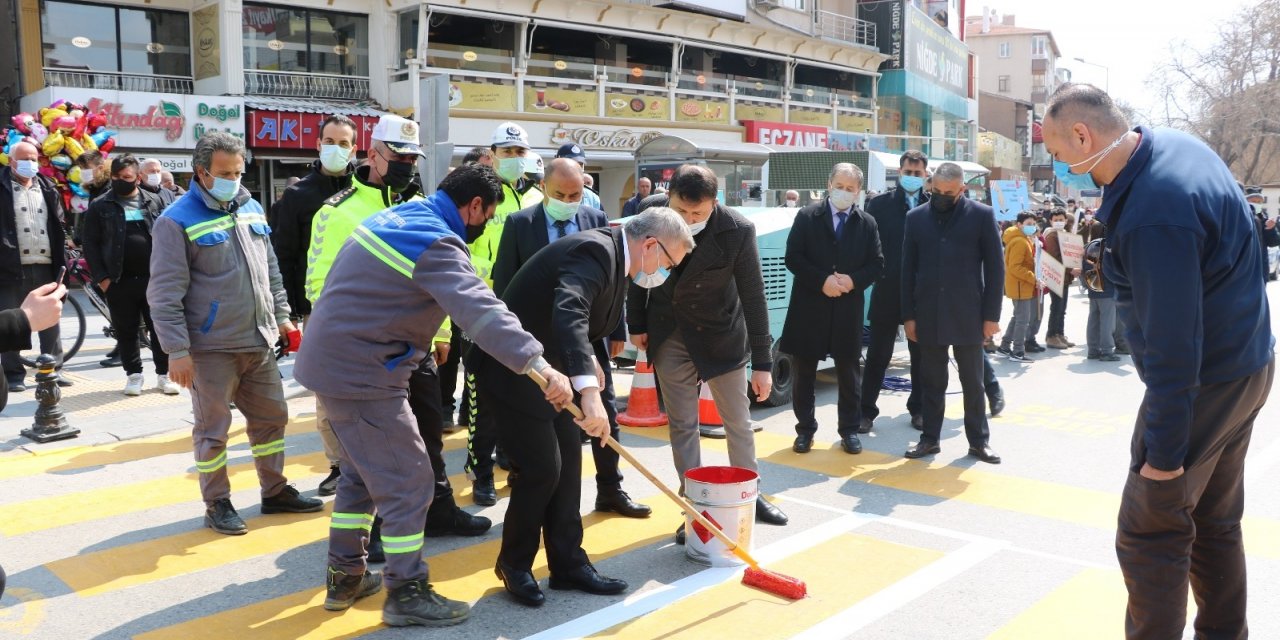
721,475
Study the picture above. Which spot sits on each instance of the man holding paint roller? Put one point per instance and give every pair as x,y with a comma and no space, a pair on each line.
570,295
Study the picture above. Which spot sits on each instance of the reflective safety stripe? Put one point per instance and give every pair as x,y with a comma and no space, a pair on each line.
205,228
209,466
402,544
269,448
382,251
250,218
351,521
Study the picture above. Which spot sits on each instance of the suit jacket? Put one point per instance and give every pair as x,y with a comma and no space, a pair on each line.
890,213
569,295
525,232
715,298
816,324
105,229
952,273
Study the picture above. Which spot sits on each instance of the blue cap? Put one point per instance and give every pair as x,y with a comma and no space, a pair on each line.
572,151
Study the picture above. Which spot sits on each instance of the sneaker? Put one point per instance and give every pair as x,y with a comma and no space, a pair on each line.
167,386
289,501
329,485
417,602
1110,357
1093,355
1020,357
133,387
1033,347
222,517
1003,351
342,590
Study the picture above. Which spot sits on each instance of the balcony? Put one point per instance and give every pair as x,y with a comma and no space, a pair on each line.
845,29
112,81
305,85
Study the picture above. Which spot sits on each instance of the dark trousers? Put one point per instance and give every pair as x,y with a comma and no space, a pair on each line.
608,477
424,401
127,301
449,374
933,390
1057,313
1187,530
989,382
544,503
12,293
849,405
884,333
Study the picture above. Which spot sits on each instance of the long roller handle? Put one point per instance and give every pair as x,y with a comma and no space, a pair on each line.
675,497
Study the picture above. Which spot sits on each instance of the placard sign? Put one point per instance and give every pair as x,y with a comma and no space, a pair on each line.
1053,273
1072,246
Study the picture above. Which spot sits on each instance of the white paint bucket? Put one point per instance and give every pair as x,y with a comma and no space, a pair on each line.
727,497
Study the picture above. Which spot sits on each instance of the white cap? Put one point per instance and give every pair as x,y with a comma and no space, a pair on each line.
399,134
510,134
532,164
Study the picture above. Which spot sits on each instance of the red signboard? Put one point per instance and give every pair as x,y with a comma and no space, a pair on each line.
293,130
784,134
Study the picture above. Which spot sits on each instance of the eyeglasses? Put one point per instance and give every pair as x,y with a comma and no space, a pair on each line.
1093,253
670,260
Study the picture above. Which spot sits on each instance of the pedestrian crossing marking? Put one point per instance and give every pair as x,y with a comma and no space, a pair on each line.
838,572
463,574
1089,605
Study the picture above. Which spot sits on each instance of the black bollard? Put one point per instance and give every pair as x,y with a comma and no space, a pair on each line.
50,423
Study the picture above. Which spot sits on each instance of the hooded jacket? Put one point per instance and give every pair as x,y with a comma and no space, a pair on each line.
1019,265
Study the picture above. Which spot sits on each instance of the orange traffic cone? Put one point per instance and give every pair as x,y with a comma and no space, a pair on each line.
642,406
710,424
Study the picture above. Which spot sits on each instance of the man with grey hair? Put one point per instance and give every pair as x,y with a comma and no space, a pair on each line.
152,174
570,295
834,252
219,307
1180,252
952,291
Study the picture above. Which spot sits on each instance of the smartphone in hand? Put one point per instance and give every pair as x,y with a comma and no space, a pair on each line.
62,275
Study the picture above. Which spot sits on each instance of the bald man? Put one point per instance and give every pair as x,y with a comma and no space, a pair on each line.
152,173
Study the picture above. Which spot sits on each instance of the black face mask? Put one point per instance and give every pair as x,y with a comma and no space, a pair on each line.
123,188
398,175
474,231
942,203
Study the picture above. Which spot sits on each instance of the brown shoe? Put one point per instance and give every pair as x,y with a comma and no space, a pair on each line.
1055,342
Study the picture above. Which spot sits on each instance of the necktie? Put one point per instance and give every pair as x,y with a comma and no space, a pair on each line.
840,225
911,202
561,228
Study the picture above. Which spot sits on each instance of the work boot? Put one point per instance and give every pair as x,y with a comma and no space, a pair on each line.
417,602
289,501
342,590
995,399
444,518
112,359
222,517
329,485
1055,342
483,493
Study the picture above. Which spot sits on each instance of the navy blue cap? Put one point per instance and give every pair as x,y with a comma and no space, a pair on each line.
573,151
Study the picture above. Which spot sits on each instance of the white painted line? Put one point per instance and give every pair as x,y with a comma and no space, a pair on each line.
650,601
902,592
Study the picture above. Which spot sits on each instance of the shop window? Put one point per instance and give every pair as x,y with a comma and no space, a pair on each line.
753,75
461,42
567,53
1004,84
96,38
305,40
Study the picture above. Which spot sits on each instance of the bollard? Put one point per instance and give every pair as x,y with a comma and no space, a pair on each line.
50,423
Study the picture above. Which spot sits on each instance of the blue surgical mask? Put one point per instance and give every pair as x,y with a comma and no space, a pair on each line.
224,190
1082,181
911,184
560,210
1029,229
26,168
651,280
510,169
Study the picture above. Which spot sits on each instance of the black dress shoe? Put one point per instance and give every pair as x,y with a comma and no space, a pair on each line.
17,387
917,422
617,501
586,578
996,401
985,454
521,585
922,449
851,444
448,520
112,360
864,426
290,501
680,535
802,444
767,513
63,382
483,493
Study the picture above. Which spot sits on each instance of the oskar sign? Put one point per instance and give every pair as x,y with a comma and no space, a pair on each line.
784,134
619,139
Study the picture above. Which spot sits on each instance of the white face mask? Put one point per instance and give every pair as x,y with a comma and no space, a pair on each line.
697,227
1060,225
86,176
153,180
791,204
334,158
842,199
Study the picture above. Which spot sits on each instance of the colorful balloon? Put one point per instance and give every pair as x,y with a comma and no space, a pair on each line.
79,204
73,176
61,161
107,146
47,116
88,143
54,143
23,121
73,147
78,190
39,133
65,124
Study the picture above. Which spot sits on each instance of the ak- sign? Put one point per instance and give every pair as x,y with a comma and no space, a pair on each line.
784,134
154,120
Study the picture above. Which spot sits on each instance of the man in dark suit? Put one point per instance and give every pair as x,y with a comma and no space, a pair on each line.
834,252
706,322
952,286
890,213
644,187
562,213
570,296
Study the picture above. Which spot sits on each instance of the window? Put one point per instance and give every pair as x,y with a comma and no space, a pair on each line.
1037,80
461,42
1004,84
89,37
305,40
1004,49
624,59
1038,46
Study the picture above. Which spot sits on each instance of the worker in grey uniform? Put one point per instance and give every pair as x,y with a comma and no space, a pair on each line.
219,307
403,270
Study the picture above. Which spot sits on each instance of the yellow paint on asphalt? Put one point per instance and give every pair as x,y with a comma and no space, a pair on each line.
464,574
838,573
1089,605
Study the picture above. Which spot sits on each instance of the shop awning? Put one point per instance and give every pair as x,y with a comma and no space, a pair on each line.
305,105
678,148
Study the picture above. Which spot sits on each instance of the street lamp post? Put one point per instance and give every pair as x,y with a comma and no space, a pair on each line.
1105,69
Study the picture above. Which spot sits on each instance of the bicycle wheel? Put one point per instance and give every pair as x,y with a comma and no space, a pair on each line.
72,334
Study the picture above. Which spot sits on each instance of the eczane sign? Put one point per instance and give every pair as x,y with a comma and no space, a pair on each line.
784,134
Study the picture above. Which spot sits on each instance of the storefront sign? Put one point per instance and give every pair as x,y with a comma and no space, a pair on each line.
483,96
630,105
171,163
806,116
582,101
786,134
617,140
1009,198
690,109
293,130
207,44
853,123
155,120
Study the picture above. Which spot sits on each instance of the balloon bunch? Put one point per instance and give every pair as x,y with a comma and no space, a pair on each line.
61,132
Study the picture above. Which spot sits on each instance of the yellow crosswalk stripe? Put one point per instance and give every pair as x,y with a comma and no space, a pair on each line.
464,574
1052,500
1091,604
838,573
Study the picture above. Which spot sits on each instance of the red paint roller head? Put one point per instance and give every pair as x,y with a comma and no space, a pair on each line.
775,583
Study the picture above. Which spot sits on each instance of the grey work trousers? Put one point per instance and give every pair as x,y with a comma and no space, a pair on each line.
1101,331
252,381
385,470
1016,334
678,379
